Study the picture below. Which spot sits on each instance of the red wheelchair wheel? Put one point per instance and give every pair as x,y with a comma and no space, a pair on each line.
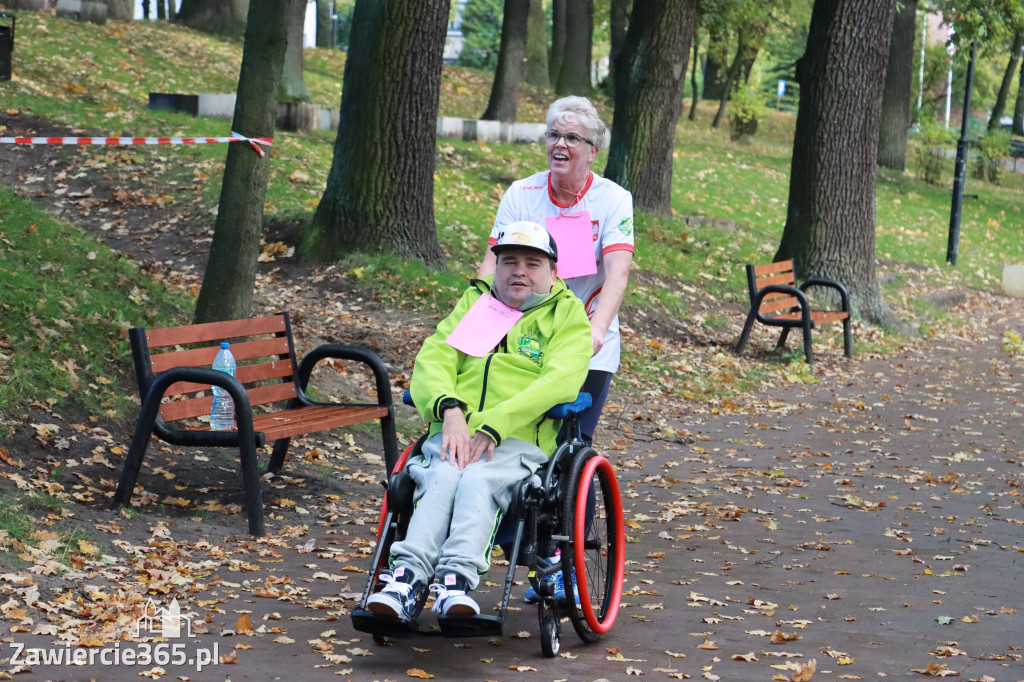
596,552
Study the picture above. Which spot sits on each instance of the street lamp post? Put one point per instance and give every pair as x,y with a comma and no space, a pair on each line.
961,167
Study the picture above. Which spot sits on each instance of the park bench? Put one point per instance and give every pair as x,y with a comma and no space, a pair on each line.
173,369
777,301
1016,152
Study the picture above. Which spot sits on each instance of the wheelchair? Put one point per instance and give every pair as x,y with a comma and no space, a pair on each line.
572,504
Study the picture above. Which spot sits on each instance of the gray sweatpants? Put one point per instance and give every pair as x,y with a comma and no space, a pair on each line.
457,512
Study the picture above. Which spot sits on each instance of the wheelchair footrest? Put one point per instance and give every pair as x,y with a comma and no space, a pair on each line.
471,626
368,621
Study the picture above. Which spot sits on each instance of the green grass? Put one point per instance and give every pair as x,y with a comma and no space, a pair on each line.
65,310
66,302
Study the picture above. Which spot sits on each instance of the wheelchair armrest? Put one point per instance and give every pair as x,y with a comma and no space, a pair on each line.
830,284
576,407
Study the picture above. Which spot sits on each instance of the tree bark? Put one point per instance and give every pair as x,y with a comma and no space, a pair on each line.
558,21
649,100
1004,87
695,60
379,194
830,221
323,24
121,10
227,288
731,77
574,76
219,17
161,10
293,86
714,63
1018,109
892,134
504,98
618,15
535,71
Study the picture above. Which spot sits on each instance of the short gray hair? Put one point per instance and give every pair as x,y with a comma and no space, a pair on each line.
581,108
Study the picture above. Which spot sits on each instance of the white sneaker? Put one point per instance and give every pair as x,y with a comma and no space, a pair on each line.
450,598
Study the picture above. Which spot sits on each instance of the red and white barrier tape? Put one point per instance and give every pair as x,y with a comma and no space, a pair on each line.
257,142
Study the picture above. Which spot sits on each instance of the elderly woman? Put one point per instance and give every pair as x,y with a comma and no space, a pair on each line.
568,189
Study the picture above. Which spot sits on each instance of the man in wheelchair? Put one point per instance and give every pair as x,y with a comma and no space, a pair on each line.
488,429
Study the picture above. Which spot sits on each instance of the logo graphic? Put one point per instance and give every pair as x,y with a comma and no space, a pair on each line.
153,629
529,345
626,226
521,238
159,621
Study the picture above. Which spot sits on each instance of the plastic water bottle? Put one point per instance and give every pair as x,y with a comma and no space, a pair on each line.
222,416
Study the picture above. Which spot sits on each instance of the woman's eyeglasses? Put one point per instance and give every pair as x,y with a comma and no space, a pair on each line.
571,139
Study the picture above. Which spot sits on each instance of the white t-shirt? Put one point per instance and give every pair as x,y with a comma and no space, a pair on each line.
611,217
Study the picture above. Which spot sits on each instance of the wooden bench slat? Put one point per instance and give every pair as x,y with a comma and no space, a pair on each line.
203,357
247,374
197,407
214,331
777,304
785,279
304,420
770,268
817,316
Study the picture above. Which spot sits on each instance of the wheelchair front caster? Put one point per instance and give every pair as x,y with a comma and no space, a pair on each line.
549,640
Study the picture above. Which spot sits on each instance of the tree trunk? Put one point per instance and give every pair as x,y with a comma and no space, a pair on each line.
161,10
121,10
293,86
714,79
323,24
536,68
505,89
649,100
1004,87
731,77
211,16
695,60
1018,109
145,9
558,21
892,134
830,221
227,288
618,14
574,76
379,194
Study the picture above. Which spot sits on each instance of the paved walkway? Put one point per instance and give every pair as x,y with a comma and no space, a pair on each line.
865,527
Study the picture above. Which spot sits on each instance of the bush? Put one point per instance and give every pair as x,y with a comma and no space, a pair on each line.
747,111
992,149
930,155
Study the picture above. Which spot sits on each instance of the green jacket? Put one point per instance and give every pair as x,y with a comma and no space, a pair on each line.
540,363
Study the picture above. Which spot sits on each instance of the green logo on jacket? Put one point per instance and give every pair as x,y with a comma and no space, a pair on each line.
529,345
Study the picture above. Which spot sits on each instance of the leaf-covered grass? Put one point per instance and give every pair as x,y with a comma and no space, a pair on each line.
66,301
728,198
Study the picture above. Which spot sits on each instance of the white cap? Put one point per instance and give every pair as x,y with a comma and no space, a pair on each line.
526,234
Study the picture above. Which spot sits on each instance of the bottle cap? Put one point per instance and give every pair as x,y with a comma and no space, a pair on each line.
224,344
